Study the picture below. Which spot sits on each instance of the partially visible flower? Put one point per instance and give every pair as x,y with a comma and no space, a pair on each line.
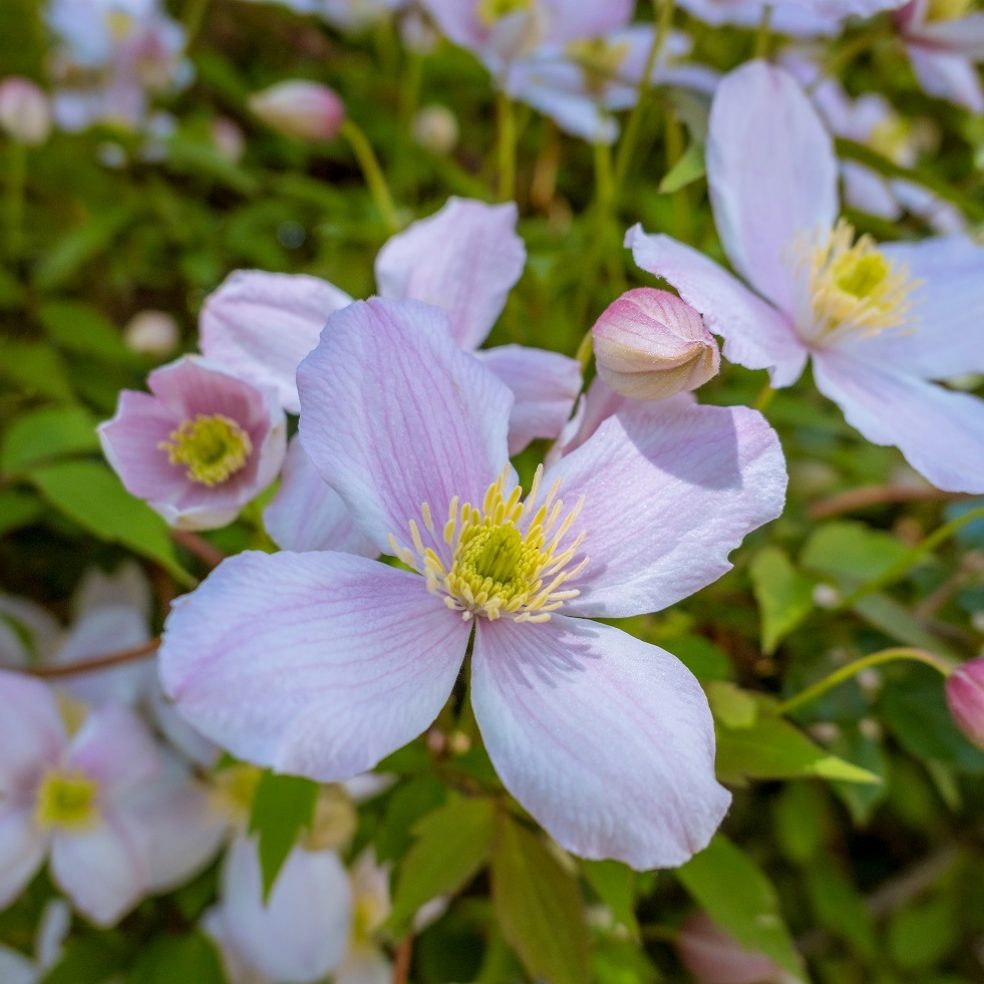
465,258
299,934
296,108
945,41
201,447
799,18
229,138
322,663
713,956
879,321
650,344
53,927
153,333
365,961
965,695
435,128
347,15
25,113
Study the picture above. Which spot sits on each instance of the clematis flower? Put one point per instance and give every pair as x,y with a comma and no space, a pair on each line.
25,113
321,664
878,321
713,956
299,935
798,18
297,108
201,447
965,697
80,799
53,927
465,258
945,41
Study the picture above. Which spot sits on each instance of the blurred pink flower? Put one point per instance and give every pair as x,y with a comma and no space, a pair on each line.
713,956
25,113
306,110
965,695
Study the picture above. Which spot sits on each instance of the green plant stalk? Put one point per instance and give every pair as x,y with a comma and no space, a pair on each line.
372,172
505,147
763,36
663,11
192,18
839,676
409,103
14,198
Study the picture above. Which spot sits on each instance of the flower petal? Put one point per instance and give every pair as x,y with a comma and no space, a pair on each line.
666,500
318,664
261,325
465,259
941,433
772,175
607,741
948,75
32,734
22,848
756,335
544,386
308,514
395,415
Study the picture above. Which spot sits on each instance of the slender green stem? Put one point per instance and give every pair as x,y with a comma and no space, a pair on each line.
405,158
14,198
764,398
852,669
663,10
506,147
193,17
763,36
372,172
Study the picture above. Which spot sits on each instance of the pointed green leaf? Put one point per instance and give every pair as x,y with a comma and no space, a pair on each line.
784,595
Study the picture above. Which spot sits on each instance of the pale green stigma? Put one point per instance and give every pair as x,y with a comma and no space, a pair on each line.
211,447
66,800
491,11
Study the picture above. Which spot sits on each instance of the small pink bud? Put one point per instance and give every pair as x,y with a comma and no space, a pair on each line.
965,695
25,113
435,128
229,139
306,110
712,956
152,333
649,344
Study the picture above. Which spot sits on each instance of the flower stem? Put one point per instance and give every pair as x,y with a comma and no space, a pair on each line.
852,669
193,17
764,398
763,36
372,172
663,10
506,147
14,198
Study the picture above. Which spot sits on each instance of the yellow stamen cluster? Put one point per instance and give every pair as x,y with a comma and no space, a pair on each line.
232,791
119,24
508,557
944,10
599,60
892,137
854,286
212,448
491,11
67,801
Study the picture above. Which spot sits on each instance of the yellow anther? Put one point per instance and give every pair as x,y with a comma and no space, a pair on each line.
212,448
491,11
67,800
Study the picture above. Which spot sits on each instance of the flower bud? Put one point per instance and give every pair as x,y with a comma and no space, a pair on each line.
712,956
306,110
228,138
25,113
435,128
649,344
965,695
152,333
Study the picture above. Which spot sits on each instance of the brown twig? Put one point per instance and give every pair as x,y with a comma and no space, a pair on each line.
207,553
402,959
95,663
876,495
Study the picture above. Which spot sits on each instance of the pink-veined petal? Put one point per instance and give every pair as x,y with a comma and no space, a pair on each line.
32,734
395,415
261,325
318,664
948,75
756,335
22,849
607,741
116,749
772,175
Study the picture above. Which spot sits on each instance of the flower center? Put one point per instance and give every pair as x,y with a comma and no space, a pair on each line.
232,791
891,138
944,10
491,11
212,448
854,286
119,24
66,800
599,60
509,557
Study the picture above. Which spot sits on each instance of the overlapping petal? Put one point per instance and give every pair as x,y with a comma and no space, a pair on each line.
317,663
32,735
607,741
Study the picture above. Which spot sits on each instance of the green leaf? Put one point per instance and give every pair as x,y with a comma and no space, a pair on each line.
784,595
740,898
688,169
37,368
90,959
283,808
897,622
96,234
732,706
89,493
615,884
867,752
851,552
168,959
45,434
452,844
18,509
81,328
539,906
840,908
921,936
774,749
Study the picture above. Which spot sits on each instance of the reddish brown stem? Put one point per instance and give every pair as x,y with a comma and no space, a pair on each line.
95,663
402,959
876,495
206,552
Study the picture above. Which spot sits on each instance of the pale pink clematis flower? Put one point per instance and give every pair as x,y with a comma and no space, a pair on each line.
878,322
81,799
945,41
201,447
798,18
321,664
965,697
299,108
713,956
25,113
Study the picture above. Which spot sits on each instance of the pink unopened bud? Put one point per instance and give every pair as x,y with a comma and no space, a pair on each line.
229,139
306,110
649,344
152,333
25,113
965,695
714,957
